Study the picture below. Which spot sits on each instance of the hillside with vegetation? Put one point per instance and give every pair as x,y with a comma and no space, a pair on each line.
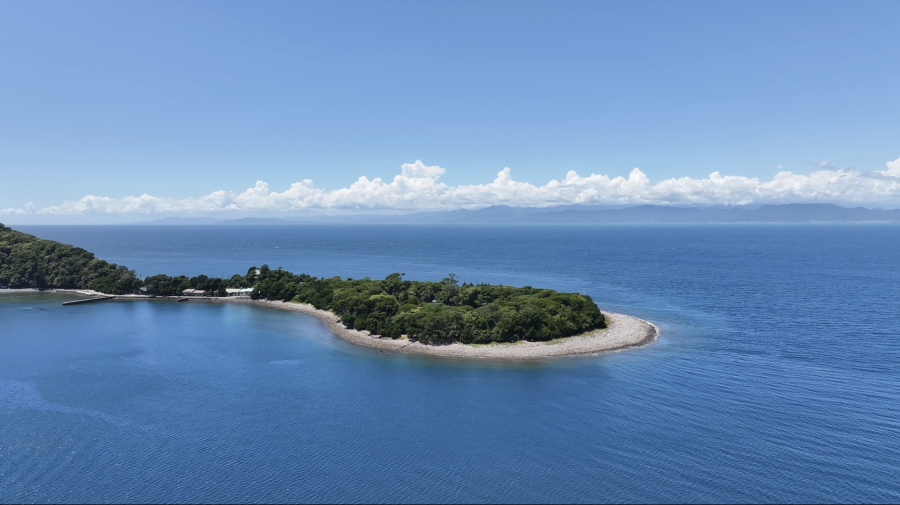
29,262
429,312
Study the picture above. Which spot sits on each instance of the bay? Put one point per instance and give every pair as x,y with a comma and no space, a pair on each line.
775,379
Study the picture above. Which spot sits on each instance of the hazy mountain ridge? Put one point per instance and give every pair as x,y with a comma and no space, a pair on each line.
790,213
572,214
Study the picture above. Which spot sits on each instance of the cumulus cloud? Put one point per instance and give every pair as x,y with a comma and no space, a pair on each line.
29,209
418,169
417,188
891,174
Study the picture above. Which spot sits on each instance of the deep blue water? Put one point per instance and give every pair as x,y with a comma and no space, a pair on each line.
776,377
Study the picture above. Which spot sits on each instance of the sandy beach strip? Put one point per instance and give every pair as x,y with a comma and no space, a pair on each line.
16,293
623,332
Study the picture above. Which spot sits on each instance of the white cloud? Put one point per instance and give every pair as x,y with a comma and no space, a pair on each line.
417,188
29,209
893,169
418,169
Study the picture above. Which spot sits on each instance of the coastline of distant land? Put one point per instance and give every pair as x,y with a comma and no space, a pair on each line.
574,214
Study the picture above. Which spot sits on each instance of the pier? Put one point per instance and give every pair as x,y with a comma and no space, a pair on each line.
89,300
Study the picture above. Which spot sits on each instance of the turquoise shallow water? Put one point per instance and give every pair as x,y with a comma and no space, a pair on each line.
776,377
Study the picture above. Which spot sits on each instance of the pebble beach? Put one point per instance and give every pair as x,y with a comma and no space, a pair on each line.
622,332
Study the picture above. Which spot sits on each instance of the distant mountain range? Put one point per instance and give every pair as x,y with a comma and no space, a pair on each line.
574,214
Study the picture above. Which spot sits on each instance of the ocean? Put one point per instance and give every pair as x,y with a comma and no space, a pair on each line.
776,377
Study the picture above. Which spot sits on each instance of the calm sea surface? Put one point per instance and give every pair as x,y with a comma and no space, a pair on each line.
777,376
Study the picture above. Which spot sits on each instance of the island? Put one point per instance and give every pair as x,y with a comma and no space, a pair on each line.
444,318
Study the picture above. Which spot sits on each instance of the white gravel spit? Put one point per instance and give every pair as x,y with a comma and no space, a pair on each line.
623,332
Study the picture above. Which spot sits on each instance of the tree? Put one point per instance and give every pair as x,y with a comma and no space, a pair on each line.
430,312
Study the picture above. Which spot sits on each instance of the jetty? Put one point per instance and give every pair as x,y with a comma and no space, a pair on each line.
89,300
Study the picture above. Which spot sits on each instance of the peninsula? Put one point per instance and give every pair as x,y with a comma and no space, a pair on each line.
445,318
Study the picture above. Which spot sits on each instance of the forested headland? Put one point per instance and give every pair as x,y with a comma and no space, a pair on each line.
440,312
29,262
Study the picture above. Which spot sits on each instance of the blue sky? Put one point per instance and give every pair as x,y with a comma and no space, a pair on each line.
178,100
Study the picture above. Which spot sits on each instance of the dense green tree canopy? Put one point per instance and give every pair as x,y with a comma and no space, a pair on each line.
429,312
438,312
29,262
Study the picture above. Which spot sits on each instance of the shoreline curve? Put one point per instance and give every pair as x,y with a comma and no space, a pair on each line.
622,332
